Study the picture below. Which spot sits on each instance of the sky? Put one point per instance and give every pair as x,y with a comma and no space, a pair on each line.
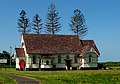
102,18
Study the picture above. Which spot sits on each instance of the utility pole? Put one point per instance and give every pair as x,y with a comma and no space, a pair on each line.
10,55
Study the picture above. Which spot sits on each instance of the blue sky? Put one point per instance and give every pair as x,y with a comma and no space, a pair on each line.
102,18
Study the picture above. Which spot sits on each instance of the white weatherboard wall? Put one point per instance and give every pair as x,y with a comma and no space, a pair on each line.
55,61
52,61
63,57
17,63
85,60
43,63
29,60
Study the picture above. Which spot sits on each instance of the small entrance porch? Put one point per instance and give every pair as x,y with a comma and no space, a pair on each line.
68,64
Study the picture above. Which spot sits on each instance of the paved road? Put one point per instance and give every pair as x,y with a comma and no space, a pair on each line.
23,80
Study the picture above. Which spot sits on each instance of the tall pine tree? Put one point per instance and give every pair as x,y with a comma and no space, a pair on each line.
37,25
77,24
23,23
52,24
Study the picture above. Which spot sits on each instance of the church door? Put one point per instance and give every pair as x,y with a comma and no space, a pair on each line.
22,65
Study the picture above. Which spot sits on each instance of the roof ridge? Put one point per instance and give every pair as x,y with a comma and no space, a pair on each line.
51,34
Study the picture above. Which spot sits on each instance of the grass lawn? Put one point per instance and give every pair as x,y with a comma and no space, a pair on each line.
72,77
6,80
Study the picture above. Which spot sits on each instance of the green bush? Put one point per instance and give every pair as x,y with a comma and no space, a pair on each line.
111,64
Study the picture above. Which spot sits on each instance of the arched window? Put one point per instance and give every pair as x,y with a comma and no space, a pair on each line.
67,57
34,59
59,59
22,45
47,62
75,59
90,59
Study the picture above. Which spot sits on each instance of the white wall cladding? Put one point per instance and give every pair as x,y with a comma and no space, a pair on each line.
63,57
54,61
17,63
85,60
60,65
35,66
46,66
90,65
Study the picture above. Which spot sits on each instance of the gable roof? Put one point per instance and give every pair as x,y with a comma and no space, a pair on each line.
84,50
86,45
20,52
52,44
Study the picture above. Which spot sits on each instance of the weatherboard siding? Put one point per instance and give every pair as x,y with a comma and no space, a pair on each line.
86,62
17,63
53,61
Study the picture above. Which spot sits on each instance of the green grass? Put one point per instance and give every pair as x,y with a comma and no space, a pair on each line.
72,77
6,80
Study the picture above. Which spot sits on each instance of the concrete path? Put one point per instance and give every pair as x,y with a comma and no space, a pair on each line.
22,79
